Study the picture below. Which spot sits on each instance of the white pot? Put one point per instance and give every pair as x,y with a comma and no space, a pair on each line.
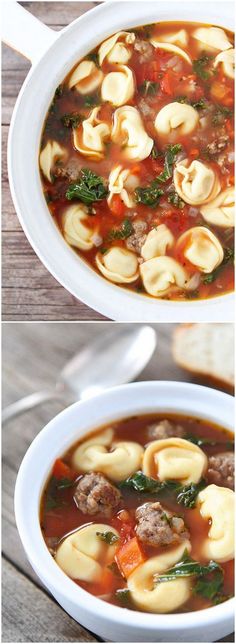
111,622
53,54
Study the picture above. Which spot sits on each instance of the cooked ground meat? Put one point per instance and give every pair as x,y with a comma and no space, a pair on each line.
158,527
165,429
94,494
69,171
146,109
221,469
218,145
145,49
137,239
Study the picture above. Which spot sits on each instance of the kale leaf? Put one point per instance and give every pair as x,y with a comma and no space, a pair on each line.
123,232
200,66
175,200
72,119
185,495
148,88
109,537
228,259
88,188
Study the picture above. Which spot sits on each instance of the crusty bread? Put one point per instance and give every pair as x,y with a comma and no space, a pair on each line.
206,350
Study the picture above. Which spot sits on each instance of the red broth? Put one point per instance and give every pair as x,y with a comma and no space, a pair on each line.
59,514
160,78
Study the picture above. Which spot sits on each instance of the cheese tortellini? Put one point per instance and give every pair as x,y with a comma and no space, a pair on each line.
153,597
202,248
122,182
123,459
178,38
176,459
86,77
118,265
220,211
48,157
171,47
116,49
196,183
75,229
176,116
160,274
79,555
157,242
216,504
91,135
118,86
129,132
212,38
226,59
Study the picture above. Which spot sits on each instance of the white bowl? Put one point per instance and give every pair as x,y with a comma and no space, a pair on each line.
111,622
63,49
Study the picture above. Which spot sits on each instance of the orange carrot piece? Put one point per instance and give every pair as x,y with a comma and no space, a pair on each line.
62,471
129,556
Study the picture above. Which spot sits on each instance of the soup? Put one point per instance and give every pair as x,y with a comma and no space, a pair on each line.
137,160
140,513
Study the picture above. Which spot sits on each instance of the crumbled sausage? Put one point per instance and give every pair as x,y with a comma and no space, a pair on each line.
221,469
144,48
159,527
68,171
146,109
137,239
215,147
95,495
165,429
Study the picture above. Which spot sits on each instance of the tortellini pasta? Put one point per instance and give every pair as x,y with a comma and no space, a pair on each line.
165,597
178,38
202,248
48,157
122,182
226,58
220,211
216,504
129,132
176,116
91,135
123,459
118,86
86,77
196,183
75,229
118,265
80,553
176,459
116,49
169,46
157,242
212,38
161,274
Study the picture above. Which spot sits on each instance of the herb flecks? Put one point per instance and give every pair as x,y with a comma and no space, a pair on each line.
88,188
175,200
109,537
72,119
126,229
201,67
148,88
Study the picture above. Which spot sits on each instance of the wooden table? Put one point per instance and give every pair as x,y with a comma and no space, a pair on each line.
32,357
29,292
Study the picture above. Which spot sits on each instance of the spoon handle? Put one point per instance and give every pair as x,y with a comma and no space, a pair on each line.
28,402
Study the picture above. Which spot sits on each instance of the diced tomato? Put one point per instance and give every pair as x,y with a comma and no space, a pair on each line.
194,153
167,84
62,471
129,556
117,206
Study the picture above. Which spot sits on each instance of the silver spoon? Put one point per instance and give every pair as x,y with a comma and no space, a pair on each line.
113,358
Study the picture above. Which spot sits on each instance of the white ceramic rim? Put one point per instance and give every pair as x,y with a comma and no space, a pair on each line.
191,399
26,125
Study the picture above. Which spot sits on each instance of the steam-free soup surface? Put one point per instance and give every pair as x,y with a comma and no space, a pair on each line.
137,160
161,527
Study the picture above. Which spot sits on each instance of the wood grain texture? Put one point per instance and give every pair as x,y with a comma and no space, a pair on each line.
29,292
33,355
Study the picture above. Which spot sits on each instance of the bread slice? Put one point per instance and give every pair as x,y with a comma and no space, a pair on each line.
206,350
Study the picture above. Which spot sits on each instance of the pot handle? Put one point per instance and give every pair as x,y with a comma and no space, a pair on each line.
25,33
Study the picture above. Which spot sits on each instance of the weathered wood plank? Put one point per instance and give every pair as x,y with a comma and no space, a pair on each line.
29,292
45,623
